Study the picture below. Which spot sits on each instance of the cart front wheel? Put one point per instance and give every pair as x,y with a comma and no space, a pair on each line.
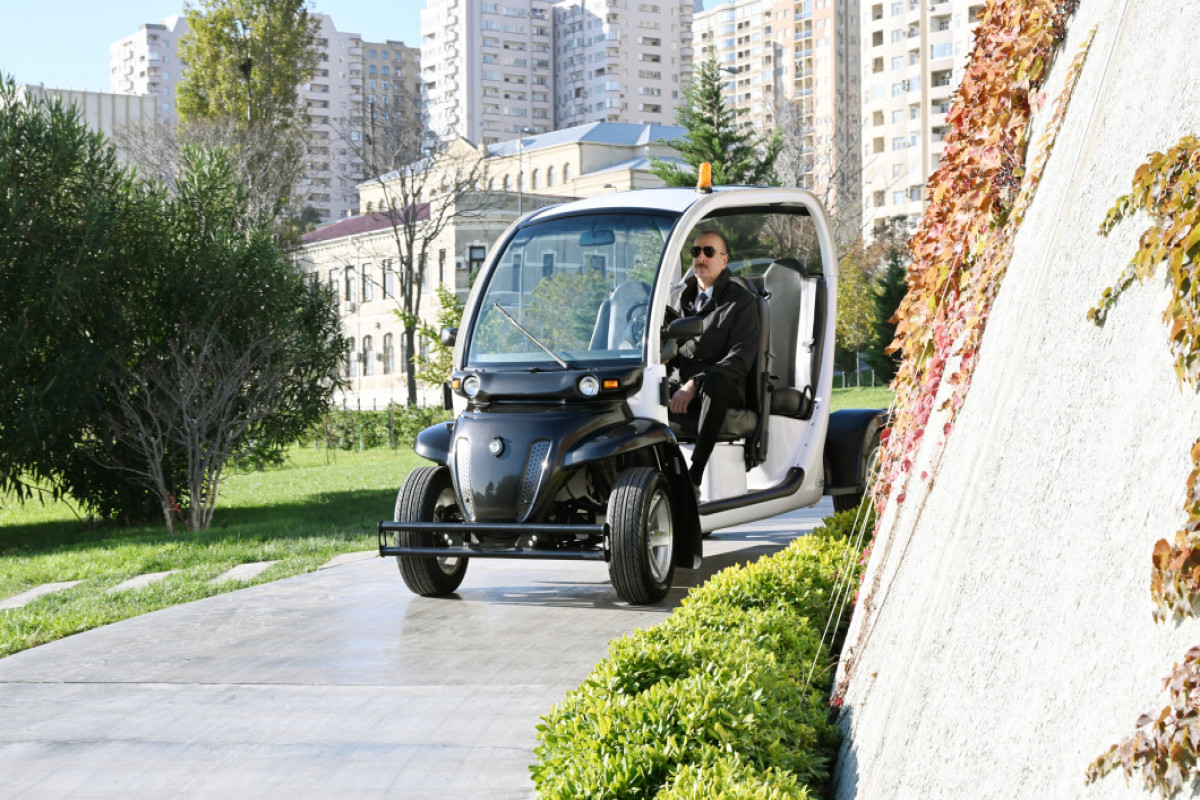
642,536
427,495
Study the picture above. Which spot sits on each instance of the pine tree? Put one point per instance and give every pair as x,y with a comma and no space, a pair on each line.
716,134
892,286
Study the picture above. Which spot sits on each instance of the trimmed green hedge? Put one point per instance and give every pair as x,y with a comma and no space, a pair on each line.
394,426
709,703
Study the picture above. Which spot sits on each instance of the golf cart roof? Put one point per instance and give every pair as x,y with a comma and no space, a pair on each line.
671,200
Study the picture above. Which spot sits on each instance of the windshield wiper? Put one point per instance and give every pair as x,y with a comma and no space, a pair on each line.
531,337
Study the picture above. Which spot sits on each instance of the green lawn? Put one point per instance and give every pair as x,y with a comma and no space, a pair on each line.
864,397
320,504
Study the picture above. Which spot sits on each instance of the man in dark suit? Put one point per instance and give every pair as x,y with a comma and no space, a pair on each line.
710,370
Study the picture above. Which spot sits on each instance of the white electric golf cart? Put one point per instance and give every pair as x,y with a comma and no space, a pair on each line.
562,446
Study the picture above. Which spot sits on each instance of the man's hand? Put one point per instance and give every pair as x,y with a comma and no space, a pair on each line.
683,398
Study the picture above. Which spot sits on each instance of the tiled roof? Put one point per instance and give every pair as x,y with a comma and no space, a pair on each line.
365,223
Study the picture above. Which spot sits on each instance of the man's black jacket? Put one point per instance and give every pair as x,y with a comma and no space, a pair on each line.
731,331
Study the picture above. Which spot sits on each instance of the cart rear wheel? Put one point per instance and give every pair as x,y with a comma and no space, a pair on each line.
427,495
642,536
845,502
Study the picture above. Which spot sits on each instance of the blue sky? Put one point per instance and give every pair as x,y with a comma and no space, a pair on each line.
64,43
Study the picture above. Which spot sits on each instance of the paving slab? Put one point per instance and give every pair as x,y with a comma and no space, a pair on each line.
337,683
141,581
29,595
244,572
349,558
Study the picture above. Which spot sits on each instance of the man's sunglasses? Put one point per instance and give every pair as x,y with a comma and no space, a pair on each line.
708,250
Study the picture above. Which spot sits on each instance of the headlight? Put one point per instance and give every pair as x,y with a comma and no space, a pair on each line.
470,385
589,386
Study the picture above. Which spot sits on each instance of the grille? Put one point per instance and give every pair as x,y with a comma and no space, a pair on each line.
535,467
462,463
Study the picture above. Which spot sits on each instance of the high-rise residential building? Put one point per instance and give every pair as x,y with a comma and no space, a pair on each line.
486,68
620,61
914,56
794,65
147,63
337,99
393,76
494,71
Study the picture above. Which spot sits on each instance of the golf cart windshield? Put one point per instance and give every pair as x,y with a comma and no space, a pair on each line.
570,292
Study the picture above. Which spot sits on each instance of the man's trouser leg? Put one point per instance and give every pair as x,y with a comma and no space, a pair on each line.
717,394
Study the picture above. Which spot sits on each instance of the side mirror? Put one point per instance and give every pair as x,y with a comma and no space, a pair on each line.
684,328
449,335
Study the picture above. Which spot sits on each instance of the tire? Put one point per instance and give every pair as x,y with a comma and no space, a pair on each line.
427,495
641,536
846,502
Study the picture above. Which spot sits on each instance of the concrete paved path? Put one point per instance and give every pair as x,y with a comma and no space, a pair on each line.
334,684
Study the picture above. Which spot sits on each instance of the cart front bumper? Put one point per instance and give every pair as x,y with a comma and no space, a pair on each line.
462,530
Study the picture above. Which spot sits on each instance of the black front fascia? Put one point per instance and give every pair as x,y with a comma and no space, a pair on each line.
508,457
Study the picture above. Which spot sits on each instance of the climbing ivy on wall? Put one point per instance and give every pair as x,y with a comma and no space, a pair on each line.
1164,749
978,197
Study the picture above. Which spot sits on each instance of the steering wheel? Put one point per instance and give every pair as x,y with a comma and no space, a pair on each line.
635,322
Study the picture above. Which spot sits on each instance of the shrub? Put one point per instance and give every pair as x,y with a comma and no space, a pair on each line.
715,700
395,426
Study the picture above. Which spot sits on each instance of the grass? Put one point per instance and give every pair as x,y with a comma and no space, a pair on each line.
861,397
318,505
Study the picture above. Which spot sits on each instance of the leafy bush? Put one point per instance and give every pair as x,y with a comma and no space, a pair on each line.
395,426
714,701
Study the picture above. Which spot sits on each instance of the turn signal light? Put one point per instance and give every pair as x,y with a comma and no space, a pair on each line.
612,383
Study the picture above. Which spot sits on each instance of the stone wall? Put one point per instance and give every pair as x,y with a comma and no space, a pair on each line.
1010,639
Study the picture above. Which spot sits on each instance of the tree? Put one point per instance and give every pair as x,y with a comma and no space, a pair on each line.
114,291
715,135
246,60
830,169
434,369
423,187
855,307
891,287
237,359
69,239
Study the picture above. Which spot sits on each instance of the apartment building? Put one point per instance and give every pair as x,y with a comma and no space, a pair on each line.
486,68
496,71
914,56
794,65
393,79
337,99
147,63
620,60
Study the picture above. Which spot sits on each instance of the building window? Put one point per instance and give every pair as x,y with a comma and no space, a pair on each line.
368,356
566,172
368,286
389,354
533,180
389,280
351,278
350,365
550,176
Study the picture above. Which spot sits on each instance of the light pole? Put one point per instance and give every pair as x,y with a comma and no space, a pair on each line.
520,168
